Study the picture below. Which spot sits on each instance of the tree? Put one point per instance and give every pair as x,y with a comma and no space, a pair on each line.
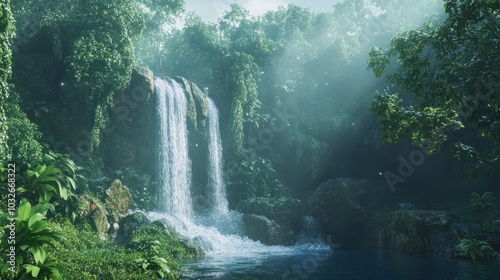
450,78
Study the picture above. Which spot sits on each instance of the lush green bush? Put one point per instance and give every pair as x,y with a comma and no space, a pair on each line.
476,249
256,177
170,244
484,201
7,33
82,255
23,135
33,234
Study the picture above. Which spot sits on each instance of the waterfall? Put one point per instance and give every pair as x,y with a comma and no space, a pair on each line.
217,187
221,232
174,162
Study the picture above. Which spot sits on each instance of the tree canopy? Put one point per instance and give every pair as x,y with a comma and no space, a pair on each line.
449,79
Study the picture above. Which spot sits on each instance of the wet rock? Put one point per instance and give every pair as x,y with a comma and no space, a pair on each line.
118,199
203,242
197,104
260,228
128,224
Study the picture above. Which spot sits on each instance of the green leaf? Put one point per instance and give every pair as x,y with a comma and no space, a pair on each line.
34,270
39,254
24,211
35,218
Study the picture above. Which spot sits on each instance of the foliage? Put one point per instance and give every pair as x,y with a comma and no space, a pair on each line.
483,201
487,220
56,176
170,244
18,136
449,75
256,177
7,32
152,261
82,255
263,204
475,248
93,47
33,234
23,136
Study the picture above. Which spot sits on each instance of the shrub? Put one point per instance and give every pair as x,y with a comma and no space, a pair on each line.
33,234
170,243
475,248
482,201
83,256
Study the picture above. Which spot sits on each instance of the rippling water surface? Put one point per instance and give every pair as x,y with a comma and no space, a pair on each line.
332,265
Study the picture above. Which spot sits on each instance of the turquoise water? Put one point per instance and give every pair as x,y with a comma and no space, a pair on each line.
338,265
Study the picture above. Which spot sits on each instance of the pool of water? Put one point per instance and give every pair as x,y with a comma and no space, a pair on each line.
336,265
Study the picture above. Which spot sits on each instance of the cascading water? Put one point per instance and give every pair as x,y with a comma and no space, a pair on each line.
174,162
217,187
221,232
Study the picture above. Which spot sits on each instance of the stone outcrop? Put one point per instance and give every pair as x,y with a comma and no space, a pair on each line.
197,110
412,230
336,206
126,140
118,200
260,228
96,215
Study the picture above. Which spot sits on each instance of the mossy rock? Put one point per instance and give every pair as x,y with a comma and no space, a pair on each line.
118,200
412,230
197,106
95,214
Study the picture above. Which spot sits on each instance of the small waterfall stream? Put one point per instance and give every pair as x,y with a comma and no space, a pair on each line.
174,164
217,186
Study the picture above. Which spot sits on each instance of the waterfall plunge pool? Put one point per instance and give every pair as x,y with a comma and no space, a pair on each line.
338,265
230,255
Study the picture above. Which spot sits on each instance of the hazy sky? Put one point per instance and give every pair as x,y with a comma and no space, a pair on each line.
210,10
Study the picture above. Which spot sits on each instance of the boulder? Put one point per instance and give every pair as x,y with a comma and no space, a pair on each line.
118,200
286,213
260,228
336,206
126,138
96,214
412,230
128,224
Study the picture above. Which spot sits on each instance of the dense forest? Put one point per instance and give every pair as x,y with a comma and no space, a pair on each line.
377,121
